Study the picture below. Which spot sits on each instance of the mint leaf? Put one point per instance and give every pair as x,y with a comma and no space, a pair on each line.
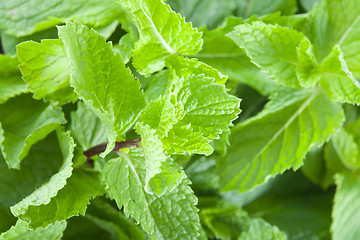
31,18
86,127
158,38
21,232
260,229
246,8
272,48
171,216
278,146
18,132
11,83
71,200
345,210
160,177
43,195
44,67
337,80
119,101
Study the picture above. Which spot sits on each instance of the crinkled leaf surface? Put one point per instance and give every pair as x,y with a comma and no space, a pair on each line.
272,48
22,17
86,127
261,230
19,130
45,67
162,33
47,191
346,209
101,80
21,232
337,80
290,124
160,177
11,83
171,216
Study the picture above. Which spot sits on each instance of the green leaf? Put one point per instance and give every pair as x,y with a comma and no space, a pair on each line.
261,230
20,18
338,82
93,63
71,200
160,177
308,4
86,127
21,129
346,209
43,195
194,110
336,22
222,53
158,37
45,67
171,216
246,8
272,48
21,232
113,221
201,13
157,85
290,123
11,83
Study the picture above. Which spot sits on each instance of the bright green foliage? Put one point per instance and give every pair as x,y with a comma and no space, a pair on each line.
286,134
20,131
338,82
259,229
171,216
21,232
86,127
46,192
160,176
346,209
10,79
71,200
101,80
261,42
45,68
162,33
246,8
22,17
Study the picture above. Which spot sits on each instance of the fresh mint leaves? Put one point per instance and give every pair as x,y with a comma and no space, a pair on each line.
122,120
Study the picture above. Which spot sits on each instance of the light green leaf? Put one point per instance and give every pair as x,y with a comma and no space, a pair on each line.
157,85
45,67
272,48
308,4
86,127
290,123
21,18
11,83
261,230
222,53
171,216
193,111
346,209
162,33
21,129
338,82
21,232
160,177
200,13
246,8
43,195
337,22
344,150
101,80
71,200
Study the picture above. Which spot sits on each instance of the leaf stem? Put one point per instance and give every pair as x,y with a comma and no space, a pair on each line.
118,145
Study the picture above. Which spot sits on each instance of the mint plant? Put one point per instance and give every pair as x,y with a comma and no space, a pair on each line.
122,120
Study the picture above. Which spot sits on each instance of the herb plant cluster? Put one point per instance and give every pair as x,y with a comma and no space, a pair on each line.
122,120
